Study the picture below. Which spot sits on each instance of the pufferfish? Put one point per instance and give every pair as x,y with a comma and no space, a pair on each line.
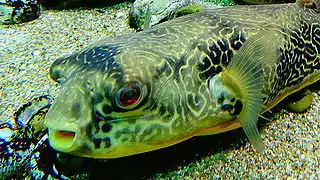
199,74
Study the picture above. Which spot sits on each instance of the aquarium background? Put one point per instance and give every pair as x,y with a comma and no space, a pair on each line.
26,52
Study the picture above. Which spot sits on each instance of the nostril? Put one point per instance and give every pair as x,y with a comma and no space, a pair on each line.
62,140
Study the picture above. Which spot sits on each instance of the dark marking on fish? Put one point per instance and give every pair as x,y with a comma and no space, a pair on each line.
76,110
237,39
99,57
96,142
205,65
237,107
162,110
219,54
227,107
107,109
97,98
176,66
107,142
298,58
214,70
223,44
106,127
193,101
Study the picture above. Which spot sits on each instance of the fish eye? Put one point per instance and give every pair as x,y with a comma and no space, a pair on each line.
129,96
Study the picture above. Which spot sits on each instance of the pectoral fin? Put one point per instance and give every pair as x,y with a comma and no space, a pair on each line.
243,80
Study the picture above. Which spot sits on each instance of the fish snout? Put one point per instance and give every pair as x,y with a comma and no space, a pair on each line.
67,120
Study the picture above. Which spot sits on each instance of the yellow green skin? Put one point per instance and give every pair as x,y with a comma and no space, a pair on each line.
172,64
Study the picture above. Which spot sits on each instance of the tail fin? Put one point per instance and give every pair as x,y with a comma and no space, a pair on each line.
245,77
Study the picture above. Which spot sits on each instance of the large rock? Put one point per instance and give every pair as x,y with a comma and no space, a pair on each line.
158,9
18,11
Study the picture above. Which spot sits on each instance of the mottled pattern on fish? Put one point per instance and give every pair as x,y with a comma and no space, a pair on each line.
171,65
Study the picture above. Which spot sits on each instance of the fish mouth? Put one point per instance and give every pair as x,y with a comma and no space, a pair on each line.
63,140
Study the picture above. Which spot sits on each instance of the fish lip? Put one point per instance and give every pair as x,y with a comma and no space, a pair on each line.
63,139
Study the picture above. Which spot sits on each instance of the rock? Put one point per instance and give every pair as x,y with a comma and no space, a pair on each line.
18,11
159,10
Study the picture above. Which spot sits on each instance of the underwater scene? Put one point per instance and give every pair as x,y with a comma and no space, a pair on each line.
159,89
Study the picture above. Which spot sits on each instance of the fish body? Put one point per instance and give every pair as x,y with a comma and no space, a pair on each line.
148,90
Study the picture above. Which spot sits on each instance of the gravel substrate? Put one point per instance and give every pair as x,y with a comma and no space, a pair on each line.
28,50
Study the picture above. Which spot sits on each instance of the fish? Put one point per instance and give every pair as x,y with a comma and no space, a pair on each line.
199,74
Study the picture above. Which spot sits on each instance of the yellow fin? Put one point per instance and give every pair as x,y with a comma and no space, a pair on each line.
244,76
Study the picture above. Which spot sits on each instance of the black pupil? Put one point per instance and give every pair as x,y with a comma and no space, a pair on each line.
129,96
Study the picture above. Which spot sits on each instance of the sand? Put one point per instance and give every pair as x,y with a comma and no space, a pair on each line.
27,51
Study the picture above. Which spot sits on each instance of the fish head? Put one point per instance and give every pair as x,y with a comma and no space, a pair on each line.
110,105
